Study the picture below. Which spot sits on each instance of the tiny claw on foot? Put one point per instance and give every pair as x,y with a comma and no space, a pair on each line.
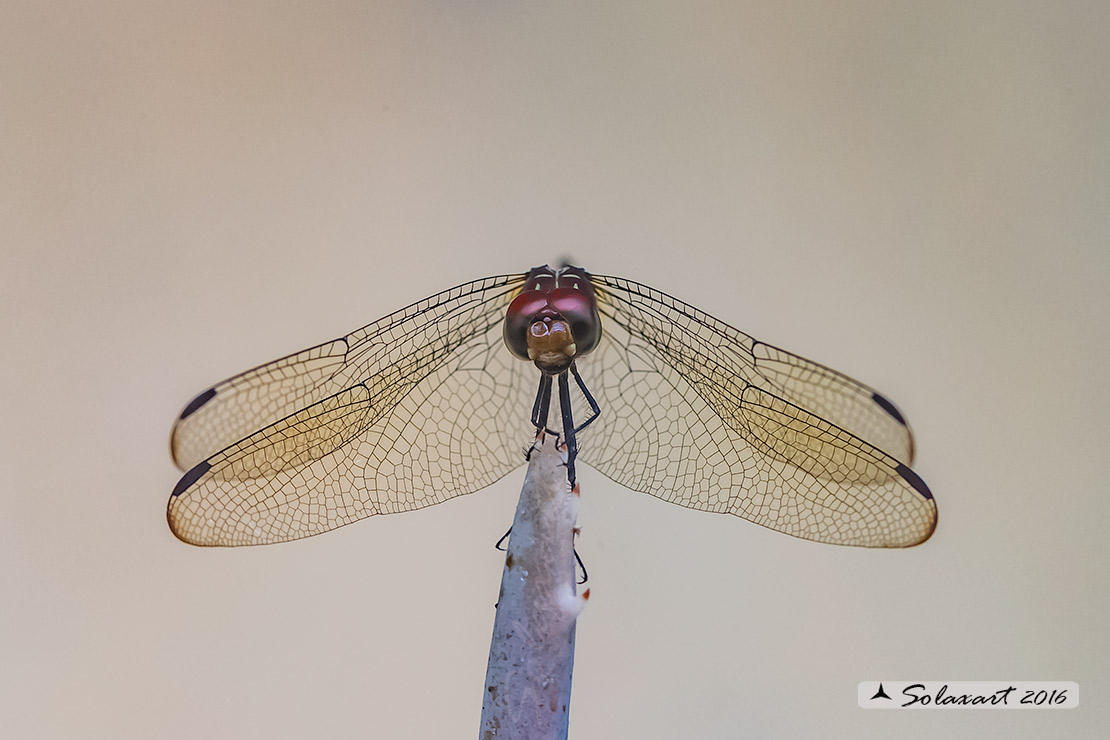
536,444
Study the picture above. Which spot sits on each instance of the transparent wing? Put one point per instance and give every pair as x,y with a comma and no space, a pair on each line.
391,349
700,414
848,403
421,406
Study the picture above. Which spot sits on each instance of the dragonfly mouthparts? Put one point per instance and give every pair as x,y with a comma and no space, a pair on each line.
551,344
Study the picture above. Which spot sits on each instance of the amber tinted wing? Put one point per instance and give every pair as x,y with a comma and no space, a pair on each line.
700,414
418,407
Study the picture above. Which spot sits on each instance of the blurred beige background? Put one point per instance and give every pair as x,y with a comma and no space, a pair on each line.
914,193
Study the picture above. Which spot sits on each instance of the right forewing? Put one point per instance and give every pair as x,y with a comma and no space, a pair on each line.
430,406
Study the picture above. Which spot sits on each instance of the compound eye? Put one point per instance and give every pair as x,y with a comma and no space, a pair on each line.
518,317
580,310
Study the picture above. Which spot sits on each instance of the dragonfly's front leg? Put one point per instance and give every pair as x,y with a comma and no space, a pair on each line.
594,408
542,405
569,437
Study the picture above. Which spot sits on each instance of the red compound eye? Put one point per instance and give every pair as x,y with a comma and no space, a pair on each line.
579,309
524,309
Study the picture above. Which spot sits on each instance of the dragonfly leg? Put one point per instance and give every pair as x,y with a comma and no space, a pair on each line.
594,408
543,404
585,576
568,426
505,537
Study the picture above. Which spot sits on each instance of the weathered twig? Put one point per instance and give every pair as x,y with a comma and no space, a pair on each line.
531,657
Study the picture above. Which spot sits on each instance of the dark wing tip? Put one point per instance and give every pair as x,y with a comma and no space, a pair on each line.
196,403
190,478
914,480
919,485
886,405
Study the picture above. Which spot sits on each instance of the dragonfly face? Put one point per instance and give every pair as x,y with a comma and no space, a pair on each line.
554,319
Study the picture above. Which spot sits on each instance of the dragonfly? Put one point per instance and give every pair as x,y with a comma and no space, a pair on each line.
426,404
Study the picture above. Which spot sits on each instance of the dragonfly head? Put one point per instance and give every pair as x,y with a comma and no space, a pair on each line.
554,319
